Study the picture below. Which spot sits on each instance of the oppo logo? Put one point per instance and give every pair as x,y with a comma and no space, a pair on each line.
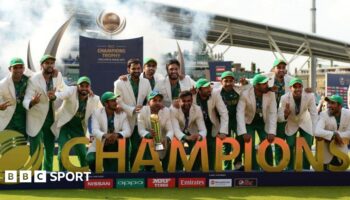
130,183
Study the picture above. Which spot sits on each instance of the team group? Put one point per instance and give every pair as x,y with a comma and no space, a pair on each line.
44,109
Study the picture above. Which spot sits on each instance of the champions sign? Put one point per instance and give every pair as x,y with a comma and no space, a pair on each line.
14,156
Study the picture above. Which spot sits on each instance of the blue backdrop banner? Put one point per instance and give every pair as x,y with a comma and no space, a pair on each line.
105,60
216,68
338,83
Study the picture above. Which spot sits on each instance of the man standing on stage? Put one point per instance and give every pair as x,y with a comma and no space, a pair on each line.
12,91
72,117
257,111
230,95
133,96
298,109
172,85
39,101
188,125
279,80
215,116
149,72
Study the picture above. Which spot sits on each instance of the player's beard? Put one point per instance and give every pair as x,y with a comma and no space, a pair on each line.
135,75
174,76
48,71
83,93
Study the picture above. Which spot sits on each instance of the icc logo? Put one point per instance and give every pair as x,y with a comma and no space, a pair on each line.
15,156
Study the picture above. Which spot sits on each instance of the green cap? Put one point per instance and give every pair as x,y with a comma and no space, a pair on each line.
227,74
259,79
148,60
153,94
16,61
108,96
294,81
84,79
278,61
335,98
45,57
202,82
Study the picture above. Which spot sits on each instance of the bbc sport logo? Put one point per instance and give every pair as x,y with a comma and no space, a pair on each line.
26,176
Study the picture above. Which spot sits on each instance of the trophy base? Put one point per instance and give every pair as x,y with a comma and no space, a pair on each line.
159,147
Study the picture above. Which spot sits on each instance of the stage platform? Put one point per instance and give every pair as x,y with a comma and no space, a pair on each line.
192,180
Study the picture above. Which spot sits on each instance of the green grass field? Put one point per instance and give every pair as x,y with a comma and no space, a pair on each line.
270,193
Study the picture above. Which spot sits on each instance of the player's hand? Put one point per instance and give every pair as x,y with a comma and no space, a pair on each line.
287,111
274,88
35,99
308,90
3,106
246,137
338,140
193,90
181,76
176,103
91,93
243,81
270,137
54,73
138,108
118,109
123,77
51,94
221,136
152,132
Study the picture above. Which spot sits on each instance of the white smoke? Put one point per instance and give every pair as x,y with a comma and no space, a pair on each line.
198,25
24,21
37,21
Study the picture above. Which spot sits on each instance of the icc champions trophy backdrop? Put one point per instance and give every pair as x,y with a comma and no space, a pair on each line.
217,68
105,60
338,84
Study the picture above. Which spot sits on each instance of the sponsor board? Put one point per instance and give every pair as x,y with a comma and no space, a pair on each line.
130,183
98,184
191,182
161,182
220,182
245,182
